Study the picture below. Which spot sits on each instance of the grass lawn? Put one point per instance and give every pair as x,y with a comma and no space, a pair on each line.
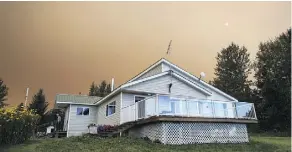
126,144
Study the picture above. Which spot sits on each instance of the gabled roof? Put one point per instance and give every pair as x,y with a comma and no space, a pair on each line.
174,74
147,69
202,85
76,99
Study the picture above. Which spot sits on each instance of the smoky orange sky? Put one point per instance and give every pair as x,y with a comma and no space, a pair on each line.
64,46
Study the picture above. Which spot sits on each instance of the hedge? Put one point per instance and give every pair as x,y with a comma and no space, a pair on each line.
16,126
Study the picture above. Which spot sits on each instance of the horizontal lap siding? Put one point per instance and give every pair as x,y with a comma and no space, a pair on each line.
160,85
128,99
78,123
215,95
113,119
154,71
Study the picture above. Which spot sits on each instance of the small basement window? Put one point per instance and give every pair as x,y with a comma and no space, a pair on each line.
111,108
82,111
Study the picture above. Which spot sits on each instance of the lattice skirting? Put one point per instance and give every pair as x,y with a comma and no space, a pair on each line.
190,132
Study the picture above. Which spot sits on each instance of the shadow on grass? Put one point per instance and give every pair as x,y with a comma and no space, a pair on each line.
28,143
126,144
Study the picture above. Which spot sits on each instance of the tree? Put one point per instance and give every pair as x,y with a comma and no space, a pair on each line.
273,81
39,104
232,70
92,89
51,116
101,90
3,93
108,89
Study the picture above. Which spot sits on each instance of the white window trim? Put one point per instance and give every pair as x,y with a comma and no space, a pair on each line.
106,110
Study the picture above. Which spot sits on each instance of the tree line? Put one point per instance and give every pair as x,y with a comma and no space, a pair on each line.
40,105
270,90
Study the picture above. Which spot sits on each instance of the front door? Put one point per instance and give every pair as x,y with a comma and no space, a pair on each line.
140,102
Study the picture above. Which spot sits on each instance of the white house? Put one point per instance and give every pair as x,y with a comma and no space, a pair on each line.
167,104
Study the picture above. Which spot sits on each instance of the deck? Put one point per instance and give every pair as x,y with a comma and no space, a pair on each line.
154,119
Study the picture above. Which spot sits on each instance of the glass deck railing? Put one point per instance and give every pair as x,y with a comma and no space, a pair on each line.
164,105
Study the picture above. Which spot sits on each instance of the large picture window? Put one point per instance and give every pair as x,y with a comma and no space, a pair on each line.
82,111
111,108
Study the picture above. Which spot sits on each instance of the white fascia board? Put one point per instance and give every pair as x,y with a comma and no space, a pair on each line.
206,84
148,69
75,103
109,95
192,84
130,84
145,79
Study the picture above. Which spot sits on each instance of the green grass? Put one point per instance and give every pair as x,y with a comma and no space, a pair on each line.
126,144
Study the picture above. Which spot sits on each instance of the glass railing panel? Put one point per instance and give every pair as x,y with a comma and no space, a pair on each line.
244,110
220,109
206,109
164,106
150,105
230,110
184,107
193,108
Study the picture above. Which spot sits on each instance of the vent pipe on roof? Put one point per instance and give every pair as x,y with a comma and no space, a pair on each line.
112,85
26,95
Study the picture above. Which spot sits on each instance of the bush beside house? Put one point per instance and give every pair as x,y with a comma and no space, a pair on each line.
16,126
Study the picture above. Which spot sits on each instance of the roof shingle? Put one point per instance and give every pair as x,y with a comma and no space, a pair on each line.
78,99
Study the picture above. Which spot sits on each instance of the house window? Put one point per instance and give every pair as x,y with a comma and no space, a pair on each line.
85,111
82,111
139,98
111,108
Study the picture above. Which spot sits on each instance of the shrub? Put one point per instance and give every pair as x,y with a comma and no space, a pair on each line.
16,125
105,128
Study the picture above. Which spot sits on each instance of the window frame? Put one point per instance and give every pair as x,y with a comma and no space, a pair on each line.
82,113
107,108
139,96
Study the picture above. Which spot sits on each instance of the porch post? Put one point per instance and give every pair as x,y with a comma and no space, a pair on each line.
156,106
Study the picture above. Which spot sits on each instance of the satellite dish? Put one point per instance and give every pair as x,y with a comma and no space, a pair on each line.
202,74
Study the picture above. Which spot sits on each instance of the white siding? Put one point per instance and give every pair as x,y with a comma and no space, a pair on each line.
65,127
215,95
113,119
160,86
78,123
156,70
128,99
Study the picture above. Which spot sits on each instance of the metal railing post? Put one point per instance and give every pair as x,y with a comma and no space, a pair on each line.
156,105
188,107
235,111
213,109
